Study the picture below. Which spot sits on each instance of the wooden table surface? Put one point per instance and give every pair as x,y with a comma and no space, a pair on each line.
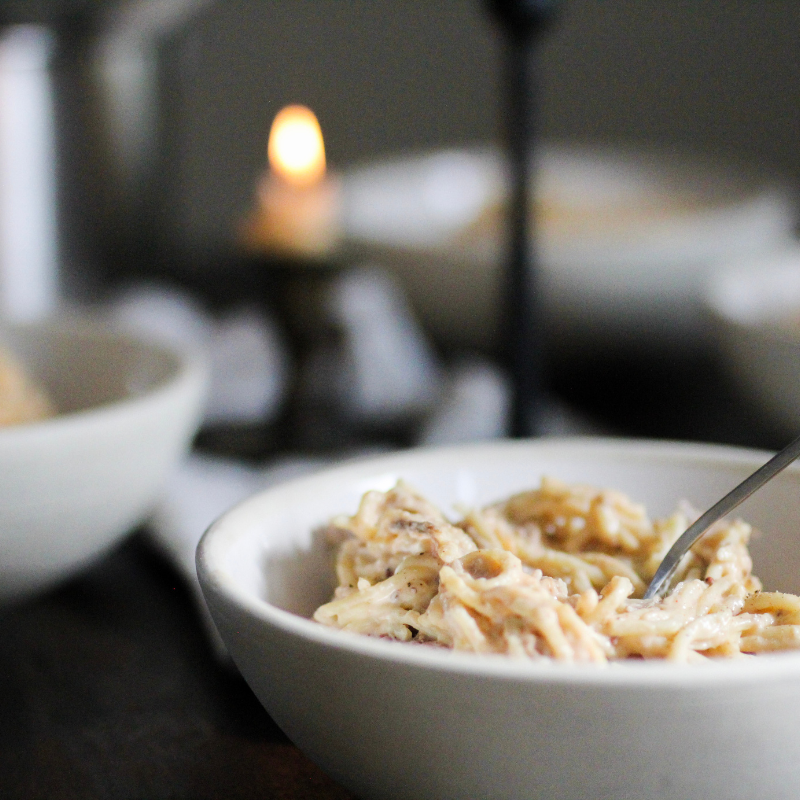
109,689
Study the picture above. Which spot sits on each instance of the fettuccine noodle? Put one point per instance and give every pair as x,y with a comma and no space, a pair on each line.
553,573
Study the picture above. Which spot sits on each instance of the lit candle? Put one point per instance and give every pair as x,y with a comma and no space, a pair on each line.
297,211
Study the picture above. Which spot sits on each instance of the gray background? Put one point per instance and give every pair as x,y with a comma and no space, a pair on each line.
720,77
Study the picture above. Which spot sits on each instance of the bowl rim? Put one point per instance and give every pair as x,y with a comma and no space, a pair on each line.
189,368
223,533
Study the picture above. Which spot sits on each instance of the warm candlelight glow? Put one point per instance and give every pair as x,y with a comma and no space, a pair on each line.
297,212
296,150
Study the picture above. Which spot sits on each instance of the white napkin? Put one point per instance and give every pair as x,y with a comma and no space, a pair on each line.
387,369
249,361
199,492
475,405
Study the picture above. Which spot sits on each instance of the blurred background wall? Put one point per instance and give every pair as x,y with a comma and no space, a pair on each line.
714,78
720,77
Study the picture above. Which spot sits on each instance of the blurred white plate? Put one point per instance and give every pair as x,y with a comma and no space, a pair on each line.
626,239
754,306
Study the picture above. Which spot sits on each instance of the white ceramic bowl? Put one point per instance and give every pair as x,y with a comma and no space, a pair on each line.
391,720
754,308
624,246
72,485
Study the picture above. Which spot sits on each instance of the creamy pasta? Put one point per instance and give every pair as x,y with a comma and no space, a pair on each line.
21,400
552,573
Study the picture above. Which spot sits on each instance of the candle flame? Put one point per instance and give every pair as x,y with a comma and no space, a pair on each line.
296,150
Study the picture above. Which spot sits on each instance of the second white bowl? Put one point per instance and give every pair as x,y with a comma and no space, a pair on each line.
72,485
754,308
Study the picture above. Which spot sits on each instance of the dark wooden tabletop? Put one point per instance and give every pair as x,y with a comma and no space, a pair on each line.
109,689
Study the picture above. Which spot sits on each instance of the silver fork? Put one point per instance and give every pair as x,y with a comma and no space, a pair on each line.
722,507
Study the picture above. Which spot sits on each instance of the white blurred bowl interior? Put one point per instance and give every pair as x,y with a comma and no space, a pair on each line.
74,484
392,720
754,309
625,238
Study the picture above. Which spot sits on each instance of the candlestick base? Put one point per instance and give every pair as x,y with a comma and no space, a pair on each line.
294,222
315,418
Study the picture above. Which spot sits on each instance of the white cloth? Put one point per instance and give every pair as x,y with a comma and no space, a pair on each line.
201,490
249,361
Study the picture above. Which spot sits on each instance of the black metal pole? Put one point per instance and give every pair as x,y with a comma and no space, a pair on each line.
521,332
